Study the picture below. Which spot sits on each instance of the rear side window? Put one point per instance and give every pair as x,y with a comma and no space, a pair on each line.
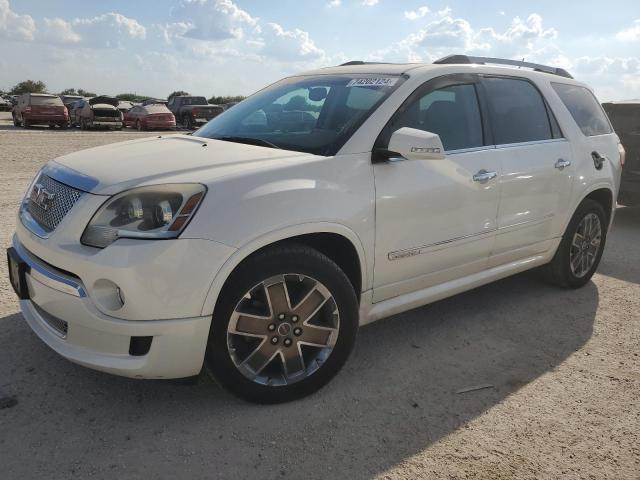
452,112
518,111
584,109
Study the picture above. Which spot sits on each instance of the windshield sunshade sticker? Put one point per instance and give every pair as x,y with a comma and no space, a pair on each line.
373,82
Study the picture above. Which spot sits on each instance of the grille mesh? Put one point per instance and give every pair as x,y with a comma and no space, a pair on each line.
65,198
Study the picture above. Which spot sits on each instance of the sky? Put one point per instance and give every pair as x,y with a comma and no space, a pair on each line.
235,47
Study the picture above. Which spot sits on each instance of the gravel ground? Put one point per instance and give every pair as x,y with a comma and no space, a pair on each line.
564,366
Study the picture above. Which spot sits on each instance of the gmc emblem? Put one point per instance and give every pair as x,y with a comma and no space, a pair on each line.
41,196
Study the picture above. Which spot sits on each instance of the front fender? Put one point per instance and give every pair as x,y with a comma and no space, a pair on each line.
275,236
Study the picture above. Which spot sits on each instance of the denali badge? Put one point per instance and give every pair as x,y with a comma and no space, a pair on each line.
41,196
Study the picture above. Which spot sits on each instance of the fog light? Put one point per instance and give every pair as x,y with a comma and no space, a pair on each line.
108,295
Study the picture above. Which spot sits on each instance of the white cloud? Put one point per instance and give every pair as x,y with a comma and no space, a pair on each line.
14,26
416,14
109,30
369,3
57,30
213,20
294,45
334,3
445,35
630,34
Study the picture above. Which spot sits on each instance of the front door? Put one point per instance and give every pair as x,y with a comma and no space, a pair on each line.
436,219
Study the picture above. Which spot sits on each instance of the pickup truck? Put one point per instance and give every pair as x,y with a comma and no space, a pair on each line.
192,111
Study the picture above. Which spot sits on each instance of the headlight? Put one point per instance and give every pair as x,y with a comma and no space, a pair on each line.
157,211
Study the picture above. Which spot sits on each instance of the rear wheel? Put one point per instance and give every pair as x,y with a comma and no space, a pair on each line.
580,250
16,122
284,325
25,123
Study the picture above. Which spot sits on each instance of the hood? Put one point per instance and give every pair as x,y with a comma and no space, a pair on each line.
103,99
112,168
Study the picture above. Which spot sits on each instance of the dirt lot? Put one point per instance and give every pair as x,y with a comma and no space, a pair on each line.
564,366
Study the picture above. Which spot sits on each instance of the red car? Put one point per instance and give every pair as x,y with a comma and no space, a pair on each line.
146,117
40,109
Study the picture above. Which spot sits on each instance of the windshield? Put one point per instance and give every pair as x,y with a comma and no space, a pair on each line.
194,101
307,114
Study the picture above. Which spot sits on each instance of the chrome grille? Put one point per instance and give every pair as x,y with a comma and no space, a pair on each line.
64,198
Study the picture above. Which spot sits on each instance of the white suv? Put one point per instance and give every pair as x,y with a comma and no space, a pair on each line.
328,200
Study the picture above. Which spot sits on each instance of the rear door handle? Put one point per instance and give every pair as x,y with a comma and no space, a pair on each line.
561,163
484,176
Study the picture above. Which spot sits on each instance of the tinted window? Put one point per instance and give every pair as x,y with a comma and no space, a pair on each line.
584,109
518,111
452,112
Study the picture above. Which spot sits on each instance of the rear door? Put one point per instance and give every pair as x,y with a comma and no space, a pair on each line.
599,144
536,168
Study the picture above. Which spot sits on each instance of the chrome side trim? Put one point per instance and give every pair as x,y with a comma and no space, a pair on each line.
412,252
30,223
46,276
526,144
527,223
70,177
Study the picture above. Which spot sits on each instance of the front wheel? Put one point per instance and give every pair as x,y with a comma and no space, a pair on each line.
581,247
284,325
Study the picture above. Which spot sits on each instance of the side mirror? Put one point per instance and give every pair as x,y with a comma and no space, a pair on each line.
413,144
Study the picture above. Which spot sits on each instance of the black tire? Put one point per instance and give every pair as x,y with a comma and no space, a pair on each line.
559,271
139,126
16,123
188,122
25,123
286,259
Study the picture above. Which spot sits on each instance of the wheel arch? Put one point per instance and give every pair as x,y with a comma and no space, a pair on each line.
336,241
603,194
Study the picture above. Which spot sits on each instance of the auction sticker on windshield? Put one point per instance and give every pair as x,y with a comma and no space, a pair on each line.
373,82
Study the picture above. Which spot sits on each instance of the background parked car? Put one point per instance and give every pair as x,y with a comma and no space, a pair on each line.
625,117
40,109
101,111
227,106
146,117
74,110
124,107
5,104
69,100
153,101
193,111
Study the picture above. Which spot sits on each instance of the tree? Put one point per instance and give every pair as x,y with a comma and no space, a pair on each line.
178,93
131,97
29,86
69,91
220,100
85,93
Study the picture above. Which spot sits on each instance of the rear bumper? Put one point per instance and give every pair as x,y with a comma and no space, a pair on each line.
46,118
104,123
159,124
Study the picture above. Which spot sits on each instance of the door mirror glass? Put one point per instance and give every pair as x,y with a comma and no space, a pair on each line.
414,144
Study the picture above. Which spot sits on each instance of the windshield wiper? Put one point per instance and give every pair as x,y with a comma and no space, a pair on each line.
248,140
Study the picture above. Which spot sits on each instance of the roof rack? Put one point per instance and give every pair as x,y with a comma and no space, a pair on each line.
360,62
464,59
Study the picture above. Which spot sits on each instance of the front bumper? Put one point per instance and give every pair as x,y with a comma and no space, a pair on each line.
164,285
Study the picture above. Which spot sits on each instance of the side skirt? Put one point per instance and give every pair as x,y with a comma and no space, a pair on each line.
370,312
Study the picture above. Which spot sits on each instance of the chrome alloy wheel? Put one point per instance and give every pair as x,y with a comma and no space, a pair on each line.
585,245
283,329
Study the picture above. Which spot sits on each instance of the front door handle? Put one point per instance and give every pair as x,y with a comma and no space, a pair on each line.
561,163
484,176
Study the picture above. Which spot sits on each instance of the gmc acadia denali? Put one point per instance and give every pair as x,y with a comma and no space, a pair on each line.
260,244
